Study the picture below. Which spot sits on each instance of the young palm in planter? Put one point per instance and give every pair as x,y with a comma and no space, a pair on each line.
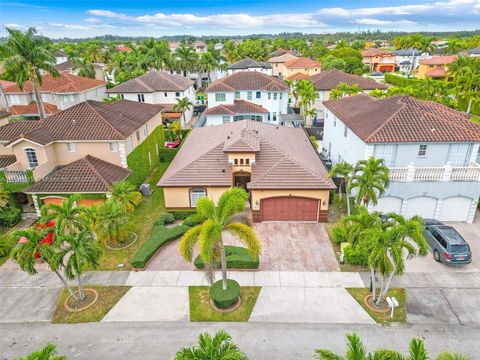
208,235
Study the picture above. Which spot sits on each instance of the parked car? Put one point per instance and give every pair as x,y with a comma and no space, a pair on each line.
172,144
447,245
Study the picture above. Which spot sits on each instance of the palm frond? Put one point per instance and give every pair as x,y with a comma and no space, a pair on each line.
188,242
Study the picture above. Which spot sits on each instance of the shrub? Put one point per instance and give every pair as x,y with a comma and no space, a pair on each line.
195,219
167,154
165,218
10,216
339,234
237,258
358,254
225,298
6,245
182,214
160,236
400,80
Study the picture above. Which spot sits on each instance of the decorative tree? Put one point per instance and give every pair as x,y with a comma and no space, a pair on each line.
220,347
370,179
125,194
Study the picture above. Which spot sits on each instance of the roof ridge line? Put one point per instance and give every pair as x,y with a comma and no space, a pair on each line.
86,158
103,119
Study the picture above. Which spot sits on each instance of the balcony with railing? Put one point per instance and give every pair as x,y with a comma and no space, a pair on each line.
411,173
16,180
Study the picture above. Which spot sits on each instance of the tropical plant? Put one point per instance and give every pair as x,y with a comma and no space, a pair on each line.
4,197
76,252
67,215
26,55
110,222
313,141
183,105
85,67
208,235
218,347
176,128
306,93
187,58
125,194
48,352
342,170
343,89
370,179
465,72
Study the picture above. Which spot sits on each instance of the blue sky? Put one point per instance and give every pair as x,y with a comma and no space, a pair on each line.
79,18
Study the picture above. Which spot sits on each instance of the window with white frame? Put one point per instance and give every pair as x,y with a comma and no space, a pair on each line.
177,94
220,97
165,94
269,95
225,119
145,130
258,95
237,94
274,116
345,131
137,135
129,144
141,97
195,195
71,147
31,157
275,96
459,154
113,147
281,96
249,95
422,150
386,152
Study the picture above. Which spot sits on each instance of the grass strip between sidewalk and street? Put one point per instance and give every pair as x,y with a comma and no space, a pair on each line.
108,296
201,310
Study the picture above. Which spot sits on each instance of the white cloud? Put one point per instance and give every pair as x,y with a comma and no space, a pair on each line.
108,14
93,20
70,26
378,22
15,26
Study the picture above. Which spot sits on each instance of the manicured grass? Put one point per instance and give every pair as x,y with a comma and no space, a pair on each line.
399,314
200,309
476,119
143,219
108,296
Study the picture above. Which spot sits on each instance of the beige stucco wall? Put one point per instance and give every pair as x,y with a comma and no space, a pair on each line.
179,197
286,72
99,150
5,150
151,125
246,168
257,195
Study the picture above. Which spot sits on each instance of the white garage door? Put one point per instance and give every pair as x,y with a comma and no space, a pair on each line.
389,204
455,208
423,206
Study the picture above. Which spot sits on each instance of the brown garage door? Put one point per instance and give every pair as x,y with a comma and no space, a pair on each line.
289,209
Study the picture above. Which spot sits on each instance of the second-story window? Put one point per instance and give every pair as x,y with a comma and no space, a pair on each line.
237,94
249,95
112,147
220,97
137,135
71,147
165,94
247,161
422,151
258,95
31,157
269,96
141,97
345,131
177,94
145,130
274,96
129,144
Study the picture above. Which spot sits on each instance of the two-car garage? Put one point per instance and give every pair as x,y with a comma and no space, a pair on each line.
289,208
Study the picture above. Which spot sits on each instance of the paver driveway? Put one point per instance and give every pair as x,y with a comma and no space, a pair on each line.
287,246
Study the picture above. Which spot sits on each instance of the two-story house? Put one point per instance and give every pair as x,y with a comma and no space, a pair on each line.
407,60
436,67
155,87
92,132
248,64
431,151
277,63
299,66
58,93
379,60
246,95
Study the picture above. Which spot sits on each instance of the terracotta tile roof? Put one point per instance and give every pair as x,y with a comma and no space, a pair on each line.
86,175
439,60
298,76
248,80
122,48
32,109
238,107
329,79
437,73
89,120
282,58
172,115
285,159
6,83
6,160
65,83
403,119
249,63
64,66
153,81
301,62
375,52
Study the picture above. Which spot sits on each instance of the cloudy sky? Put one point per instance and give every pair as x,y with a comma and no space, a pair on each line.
77,18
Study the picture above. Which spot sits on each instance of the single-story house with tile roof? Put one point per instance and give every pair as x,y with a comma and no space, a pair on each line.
277,165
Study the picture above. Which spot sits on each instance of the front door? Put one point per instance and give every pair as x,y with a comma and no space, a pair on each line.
241,181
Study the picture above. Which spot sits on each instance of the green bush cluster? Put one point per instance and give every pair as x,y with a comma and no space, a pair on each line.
6,245
358,254
10,216
237,258
16,187
182,214
339,234
165,218
194,220
225,298
167,154
399,80
160,236
139,160
170,136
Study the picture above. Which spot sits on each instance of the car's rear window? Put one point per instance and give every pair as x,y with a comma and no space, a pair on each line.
452,236
457,249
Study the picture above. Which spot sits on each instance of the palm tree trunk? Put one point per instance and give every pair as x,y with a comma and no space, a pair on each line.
382,281
65,283
374,287
224,267
38,97
80,286
184,120
5,100
347,193
386,288
469,108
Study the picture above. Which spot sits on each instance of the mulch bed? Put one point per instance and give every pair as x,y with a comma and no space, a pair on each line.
72,305
120,245
383,308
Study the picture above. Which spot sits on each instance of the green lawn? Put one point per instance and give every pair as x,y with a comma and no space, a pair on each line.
200,309
399,314
142,218
476,119
108,296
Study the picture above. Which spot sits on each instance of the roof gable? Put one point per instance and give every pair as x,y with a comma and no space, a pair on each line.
329,79
153,81
64,83
248,80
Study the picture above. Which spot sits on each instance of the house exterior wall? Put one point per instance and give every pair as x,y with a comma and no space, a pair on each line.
286,72
424,69
400,58
179,197
100,150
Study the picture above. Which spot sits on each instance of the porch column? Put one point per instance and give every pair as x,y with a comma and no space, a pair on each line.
35,204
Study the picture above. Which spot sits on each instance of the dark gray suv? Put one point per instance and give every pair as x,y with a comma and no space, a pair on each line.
447,244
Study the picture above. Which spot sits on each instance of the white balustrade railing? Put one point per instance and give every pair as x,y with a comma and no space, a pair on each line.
16,176
428,174
398,174
446,173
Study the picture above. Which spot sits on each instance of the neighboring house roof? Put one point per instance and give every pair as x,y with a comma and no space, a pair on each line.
437,73
32,109
408,52
375,52
474,51
282,58
7,160
285,158
301,62
86,175
280,52
248,80
249,63
64,66
122,47
329,79
88,121
6,83
403,119
153,81
238,107
298,76
59,53
439,60
65,83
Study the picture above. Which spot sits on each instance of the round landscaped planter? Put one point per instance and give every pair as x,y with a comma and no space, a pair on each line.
132,239
383,309
231,308
71,305
225,299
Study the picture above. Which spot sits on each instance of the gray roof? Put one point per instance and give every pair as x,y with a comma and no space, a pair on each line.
408,52
249,63
153,81
475,51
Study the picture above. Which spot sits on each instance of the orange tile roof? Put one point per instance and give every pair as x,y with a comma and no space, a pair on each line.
298,76
375,52
301,62
439,60
32,109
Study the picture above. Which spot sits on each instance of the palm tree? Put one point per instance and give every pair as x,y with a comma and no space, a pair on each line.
67,216
306,92
220,347
220,218
110,222
343,89
343,170
175,127
78,251
125,194
183,105
465,72
48,352
4,197
187,58
370,179
27,54
208,63
27,253
85,67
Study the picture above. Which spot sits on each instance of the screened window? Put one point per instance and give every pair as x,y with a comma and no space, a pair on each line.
345,131
31,157
237,94
274,116
71,147
247,161
422,150
220,97
459,154
141,97
274,96
269,96
196,194
145,130
241,161
385,152
249,95
129,144
137,135
225,119
235,161
177,94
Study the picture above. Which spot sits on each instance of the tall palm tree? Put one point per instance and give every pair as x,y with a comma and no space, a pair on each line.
220,347
67,216
79,250
126,194
343,89
466,80
110,222
187,58
4,197
370,179
220,218
27,53
306,92
183,105
343,170
85,67
48,352
208,63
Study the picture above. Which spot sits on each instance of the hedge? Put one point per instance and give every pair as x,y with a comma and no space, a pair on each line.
170,136
400,80
160,236
225,298
139,161
10,216
165,218
237,258
182,214
16,187
194,220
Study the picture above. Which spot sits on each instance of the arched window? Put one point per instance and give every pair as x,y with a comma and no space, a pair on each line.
31,157
196,194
